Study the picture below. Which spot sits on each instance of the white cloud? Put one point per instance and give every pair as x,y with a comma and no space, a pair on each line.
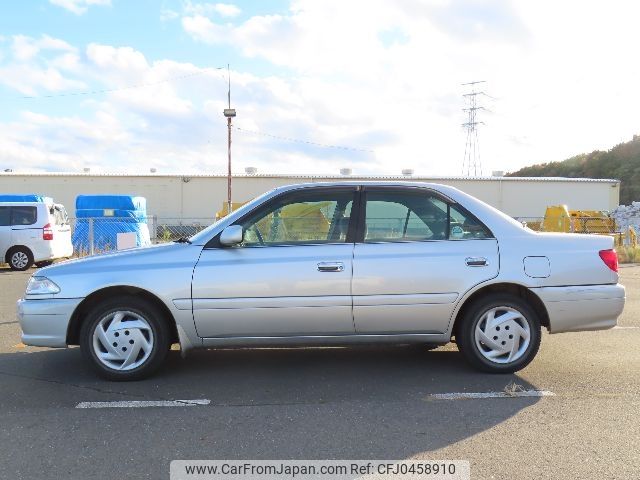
32,67
554,99
118,58
208,9
25,48
227,10
166,15
371,75
39,142
79,7
203,29
30,80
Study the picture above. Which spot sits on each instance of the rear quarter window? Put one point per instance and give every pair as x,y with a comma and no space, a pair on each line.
464,226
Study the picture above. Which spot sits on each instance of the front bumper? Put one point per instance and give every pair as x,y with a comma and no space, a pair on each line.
44,322
584,307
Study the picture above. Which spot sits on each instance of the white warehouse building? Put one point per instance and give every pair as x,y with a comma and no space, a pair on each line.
201,196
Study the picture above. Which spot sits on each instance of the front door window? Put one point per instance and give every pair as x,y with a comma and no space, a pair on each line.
316,218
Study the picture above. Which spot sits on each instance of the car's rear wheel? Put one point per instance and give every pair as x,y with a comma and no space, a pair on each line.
499,334
20,258
125,338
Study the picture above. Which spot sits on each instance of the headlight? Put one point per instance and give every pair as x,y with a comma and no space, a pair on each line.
41,286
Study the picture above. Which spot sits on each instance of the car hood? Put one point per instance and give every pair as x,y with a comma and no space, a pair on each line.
125,259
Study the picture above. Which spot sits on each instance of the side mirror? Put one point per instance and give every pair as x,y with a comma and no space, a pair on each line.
232,235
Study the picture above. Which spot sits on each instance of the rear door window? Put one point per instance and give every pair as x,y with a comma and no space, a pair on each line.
23,215
402,215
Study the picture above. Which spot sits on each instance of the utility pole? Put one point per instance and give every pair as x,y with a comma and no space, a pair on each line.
471,165
229,113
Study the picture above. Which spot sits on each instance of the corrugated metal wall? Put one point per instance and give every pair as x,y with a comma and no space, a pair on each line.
202,196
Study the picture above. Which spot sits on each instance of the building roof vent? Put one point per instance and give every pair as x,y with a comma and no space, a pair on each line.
407,172
497,173
152,170
345,171
86,169
250,170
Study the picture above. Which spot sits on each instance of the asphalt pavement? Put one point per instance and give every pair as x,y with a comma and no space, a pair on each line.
326,403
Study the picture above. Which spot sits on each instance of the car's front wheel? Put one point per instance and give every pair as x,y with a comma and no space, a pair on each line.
125,338
499,334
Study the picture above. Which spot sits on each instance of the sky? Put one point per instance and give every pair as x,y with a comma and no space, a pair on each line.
371,85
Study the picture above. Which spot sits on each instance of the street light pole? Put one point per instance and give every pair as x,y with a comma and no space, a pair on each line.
229,165
229,113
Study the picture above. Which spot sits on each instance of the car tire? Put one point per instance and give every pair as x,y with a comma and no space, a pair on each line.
44,263
496,344
125,338
19,258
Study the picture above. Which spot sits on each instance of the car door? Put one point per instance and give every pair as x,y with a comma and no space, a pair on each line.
416,255
24,228
291,275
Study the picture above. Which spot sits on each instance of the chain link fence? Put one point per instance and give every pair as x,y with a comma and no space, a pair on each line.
104,234
599,225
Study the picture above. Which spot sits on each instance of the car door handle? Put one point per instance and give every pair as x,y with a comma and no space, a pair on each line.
330,266
476,261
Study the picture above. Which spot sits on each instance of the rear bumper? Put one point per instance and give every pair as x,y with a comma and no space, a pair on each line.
44,322
51,251
584,307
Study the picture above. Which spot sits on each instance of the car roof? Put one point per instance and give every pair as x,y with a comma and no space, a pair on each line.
354,183
21,204
496,220
399,183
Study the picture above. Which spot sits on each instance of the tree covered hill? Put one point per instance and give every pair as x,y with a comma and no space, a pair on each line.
621,162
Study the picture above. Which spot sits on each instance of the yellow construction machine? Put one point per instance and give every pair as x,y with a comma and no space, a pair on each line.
558,218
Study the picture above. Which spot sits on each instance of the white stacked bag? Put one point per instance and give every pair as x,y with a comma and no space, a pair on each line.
627,215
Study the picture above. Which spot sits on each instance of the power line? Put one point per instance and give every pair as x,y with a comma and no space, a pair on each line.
471,164
127,87
296,140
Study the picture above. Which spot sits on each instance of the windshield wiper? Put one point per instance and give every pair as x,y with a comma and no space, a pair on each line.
182,240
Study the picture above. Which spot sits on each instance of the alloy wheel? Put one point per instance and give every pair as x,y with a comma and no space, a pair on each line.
19,260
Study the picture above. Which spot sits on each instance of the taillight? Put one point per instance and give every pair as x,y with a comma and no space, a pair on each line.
47,232
610,259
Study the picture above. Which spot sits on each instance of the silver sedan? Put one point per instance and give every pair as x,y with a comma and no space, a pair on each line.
332,264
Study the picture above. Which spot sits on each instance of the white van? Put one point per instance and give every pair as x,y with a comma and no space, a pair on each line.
33,232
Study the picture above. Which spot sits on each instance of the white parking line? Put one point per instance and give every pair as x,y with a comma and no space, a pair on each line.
467,395
144,404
